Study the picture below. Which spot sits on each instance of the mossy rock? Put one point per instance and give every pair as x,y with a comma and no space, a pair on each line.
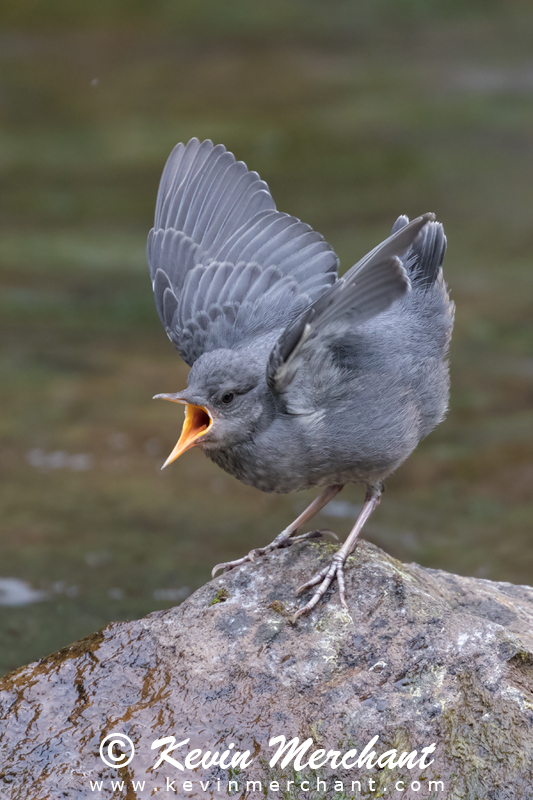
421,657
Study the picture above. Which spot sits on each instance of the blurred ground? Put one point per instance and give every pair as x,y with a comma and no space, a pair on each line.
353,114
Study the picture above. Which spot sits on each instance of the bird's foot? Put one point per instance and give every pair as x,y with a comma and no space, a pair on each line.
336,569
318,534
325,578
284,539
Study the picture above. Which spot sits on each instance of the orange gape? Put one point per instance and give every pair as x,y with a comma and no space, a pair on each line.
197,422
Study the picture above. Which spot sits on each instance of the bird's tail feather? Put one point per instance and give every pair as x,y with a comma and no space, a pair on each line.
425,256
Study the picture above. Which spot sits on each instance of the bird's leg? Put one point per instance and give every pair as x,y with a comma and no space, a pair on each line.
336,568
288,535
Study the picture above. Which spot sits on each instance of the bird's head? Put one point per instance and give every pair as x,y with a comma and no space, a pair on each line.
225,399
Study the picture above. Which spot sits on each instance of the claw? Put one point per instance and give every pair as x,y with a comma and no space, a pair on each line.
227,565
336,568
325,577
281,541
327,532
314,580
287,536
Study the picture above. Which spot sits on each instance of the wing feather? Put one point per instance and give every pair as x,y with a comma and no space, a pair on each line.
425,257
161,283
223,248
170,304
218,285
367,289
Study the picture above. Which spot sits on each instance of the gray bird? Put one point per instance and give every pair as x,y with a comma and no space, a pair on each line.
298,378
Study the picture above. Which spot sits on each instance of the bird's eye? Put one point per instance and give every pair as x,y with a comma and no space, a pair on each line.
228,398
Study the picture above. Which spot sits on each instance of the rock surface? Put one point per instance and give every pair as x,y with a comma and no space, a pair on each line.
422,657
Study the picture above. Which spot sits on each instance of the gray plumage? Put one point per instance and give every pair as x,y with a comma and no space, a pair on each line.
332,380
225,264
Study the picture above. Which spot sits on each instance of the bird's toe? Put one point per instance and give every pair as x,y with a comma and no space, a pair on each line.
314,580
324,578
225,566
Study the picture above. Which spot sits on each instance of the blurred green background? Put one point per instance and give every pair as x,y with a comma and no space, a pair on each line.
354,112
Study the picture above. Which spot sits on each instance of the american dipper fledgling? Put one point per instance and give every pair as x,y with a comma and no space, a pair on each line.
299,378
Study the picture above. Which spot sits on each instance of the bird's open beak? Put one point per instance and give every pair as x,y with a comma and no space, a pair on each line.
197,422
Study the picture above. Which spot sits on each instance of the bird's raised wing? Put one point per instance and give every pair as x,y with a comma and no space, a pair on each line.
225,264
367,289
